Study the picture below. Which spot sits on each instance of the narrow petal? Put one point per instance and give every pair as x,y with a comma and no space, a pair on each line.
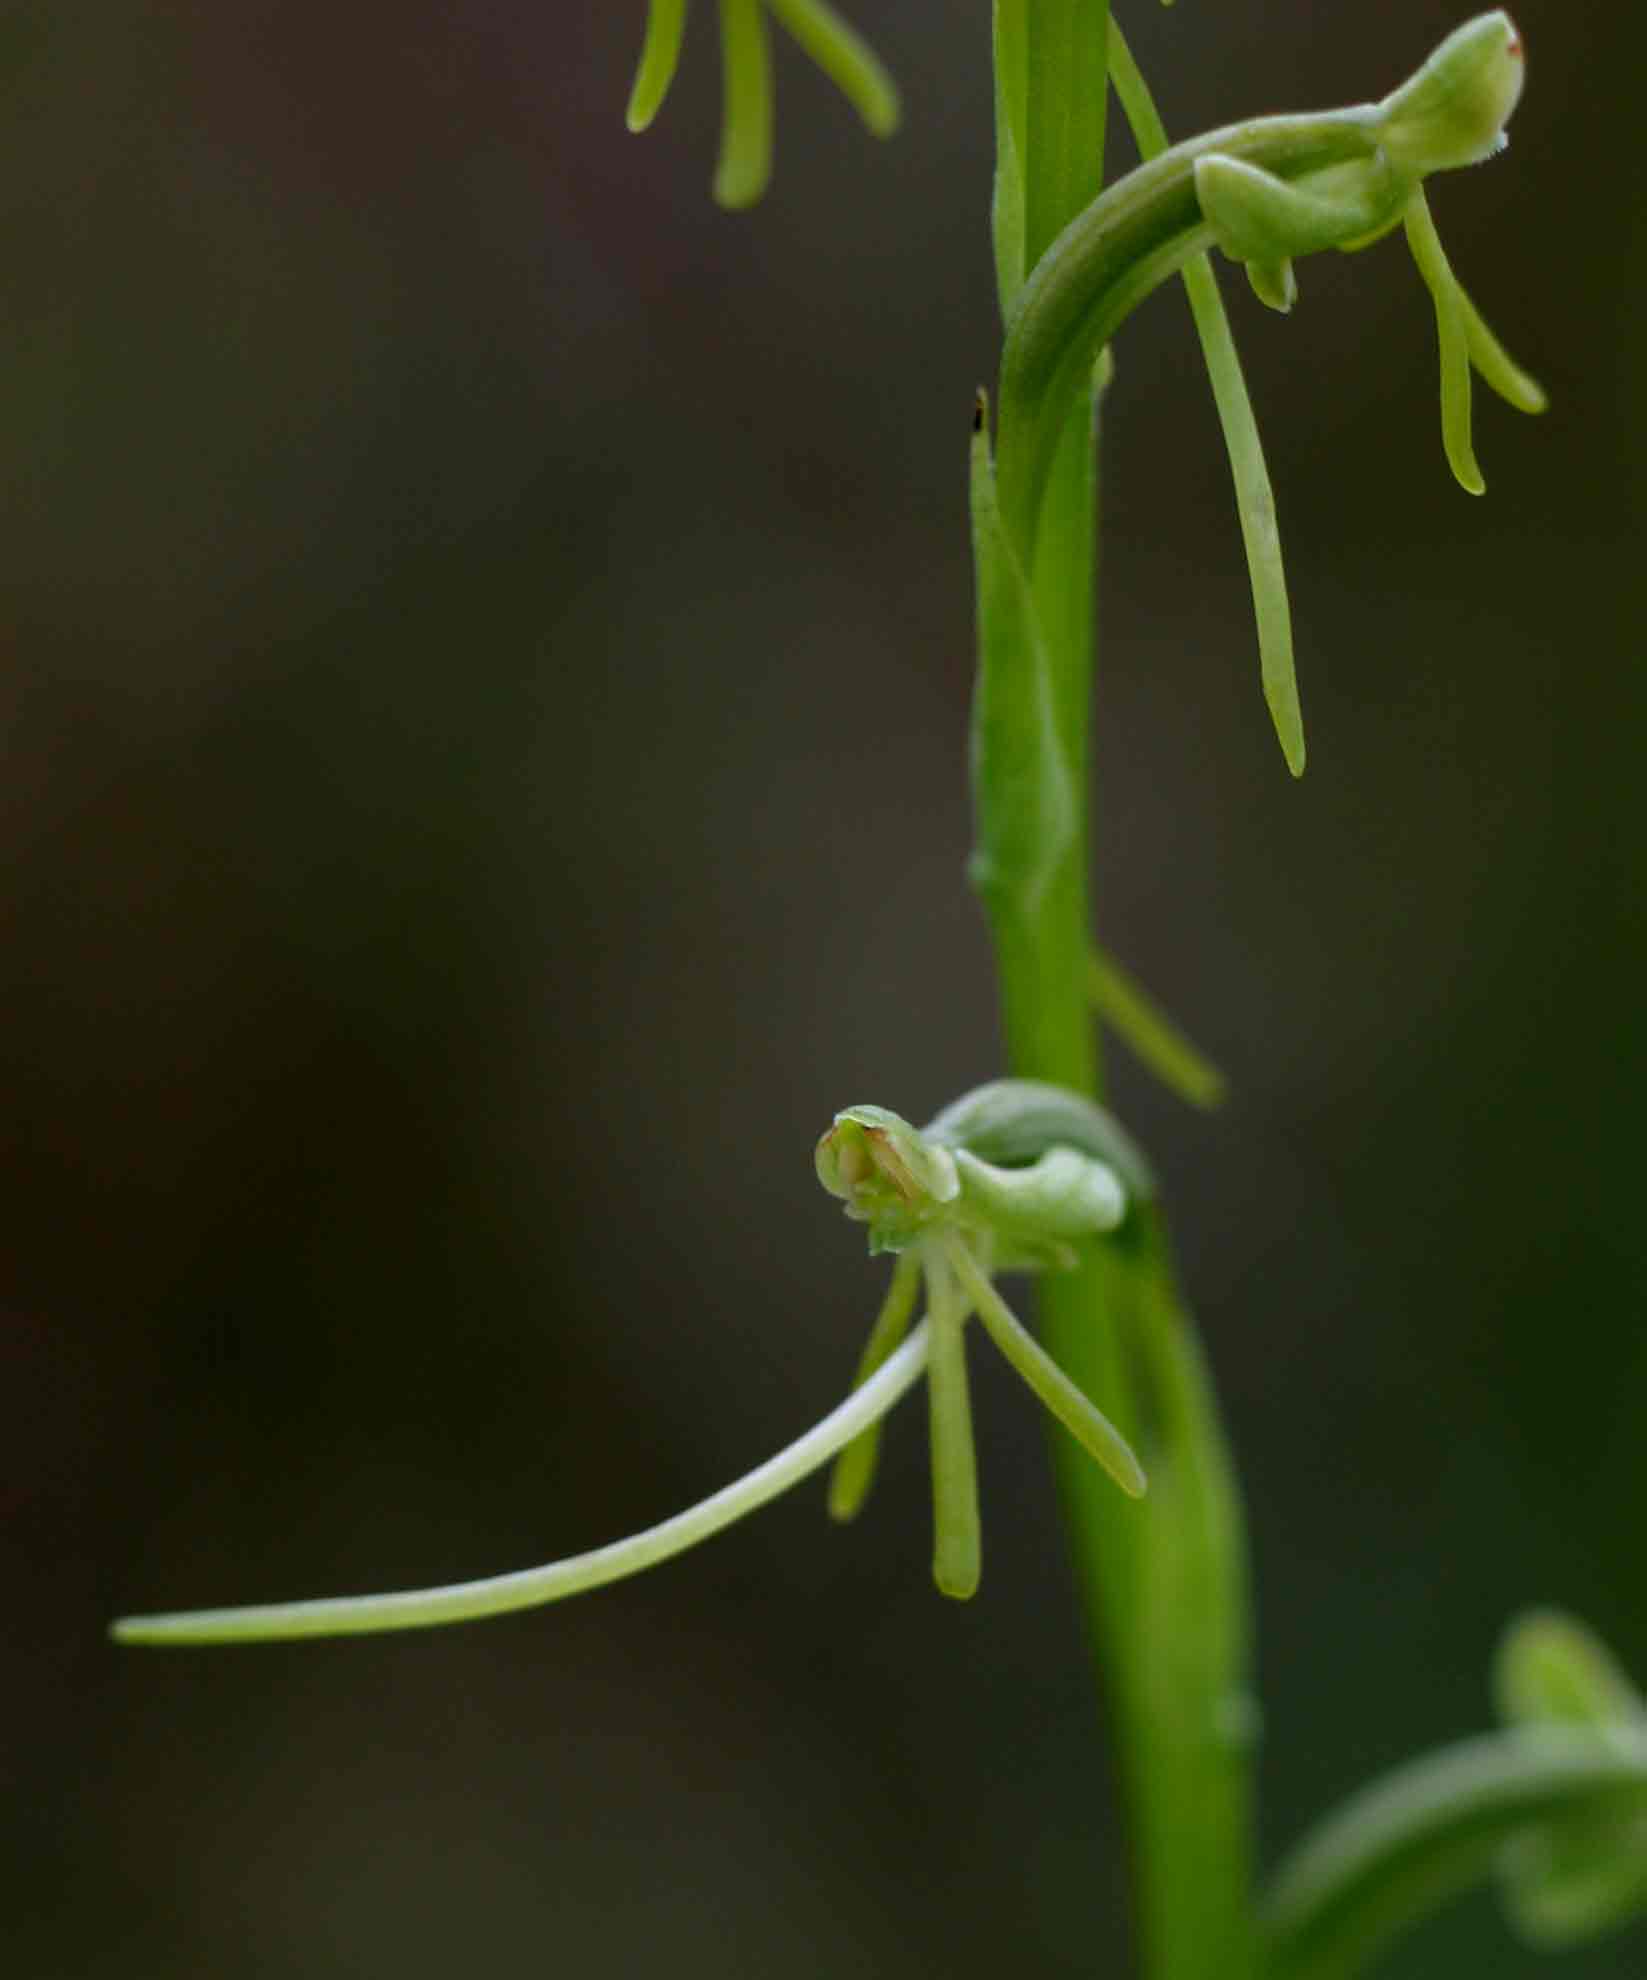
957,1547
746,120
1495,364
854,1471
660,56
846,58
1453,335
1079,1415
1254,497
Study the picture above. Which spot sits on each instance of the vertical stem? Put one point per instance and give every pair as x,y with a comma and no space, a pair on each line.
1111,1324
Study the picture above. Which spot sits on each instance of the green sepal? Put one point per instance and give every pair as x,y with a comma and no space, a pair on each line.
1257,217
1015,1121
1063,1195
1274,284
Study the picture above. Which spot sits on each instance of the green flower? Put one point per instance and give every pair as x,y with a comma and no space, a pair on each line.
1012,1174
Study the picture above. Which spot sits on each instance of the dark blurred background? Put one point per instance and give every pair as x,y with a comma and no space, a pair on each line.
484,696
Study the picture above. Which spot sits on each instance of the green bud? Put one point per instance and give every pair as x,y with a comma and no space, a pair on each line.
1453,111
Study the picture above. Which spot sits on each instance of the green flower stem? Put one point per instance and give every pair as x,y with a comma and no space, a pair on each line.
1170,1677
1431,1830
466,1601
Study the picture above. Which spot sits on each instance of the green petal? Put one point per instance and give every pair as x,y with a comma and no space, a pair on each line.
1254,497
660,56
854,1470
1080,1416
957,1548
1453,335
846,58
745,163
1495,364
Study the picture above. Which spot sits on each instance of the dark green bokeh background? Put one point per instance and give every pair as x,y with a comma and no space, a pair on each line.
484,695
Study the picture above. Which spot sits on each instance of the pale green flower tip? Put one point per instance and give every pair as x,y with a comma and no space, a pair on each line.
1274,284
957,1573
887,1175
660,57
880,107
737,187
1289,728
1454,110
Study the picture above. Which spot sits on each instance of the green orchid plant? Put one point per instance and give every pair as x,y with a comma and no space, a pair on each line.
1030,1174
